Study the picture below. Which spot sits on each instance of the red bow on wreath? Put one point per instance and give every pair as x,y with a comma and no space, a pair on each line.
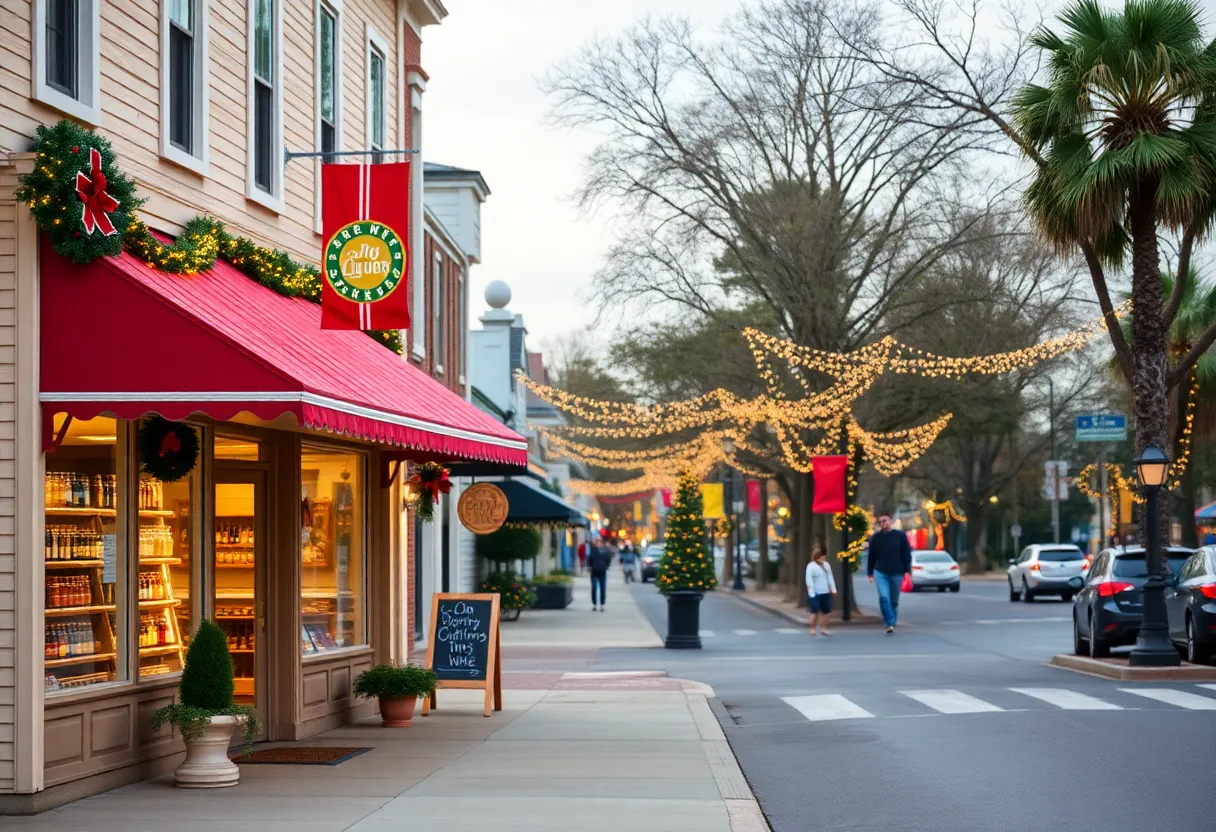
170,444
97,203
433,478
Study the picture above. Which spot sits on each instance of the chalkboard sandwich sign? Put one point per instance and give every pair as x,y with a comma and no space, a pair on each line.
463,650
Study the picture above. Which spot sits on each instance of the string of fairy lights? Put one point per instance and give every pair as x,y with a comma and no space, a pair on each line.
719,414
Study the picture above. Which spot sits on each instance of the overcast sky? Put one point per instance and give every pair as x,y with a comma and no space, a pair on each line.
483,109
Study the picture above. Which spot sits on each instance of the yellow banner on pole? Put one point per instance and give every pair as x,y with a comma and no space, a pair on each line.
637,511
711,497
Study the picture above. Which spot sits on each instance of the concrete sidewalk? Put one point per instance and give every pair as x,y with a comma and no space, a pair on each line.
570,751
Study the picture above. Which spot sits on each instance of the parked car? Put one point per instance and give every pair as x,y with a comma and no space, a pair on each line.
1045,569
650,561
1190,602
931,568
1108,606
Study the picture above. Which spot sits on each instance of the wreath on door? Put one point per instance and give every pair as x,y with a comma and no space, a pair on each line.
167,450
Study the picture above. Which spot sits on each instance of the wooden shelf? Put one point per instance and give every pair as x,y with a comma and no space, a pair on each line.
235,566
87,610
159,650
68,564
163,602
240,650
234,546
233,617
158,561
74,511
92,657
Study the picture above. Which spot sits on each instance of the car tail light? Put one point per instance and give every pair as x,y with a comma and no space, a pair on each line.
1034,567
917,568
1107,589
954,567
1208,590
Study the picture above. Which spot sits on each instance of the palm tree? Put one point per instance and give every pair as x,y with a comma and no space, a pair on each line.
1124,133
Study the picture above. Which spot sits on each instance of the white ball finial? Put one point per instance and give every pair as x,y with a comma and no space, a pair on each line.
498,294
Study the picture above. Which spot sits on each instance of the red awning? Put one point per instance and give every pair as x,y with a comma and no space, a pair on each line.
123,338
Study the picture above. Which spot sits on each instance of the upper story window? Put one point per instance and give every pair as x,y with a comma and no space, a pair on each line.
462,328
328,78
183,83
377,114
66,57
265,103
438,300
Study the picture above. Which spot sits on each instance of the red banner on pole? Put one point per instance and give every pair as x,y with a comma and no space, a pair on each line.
829,473
753,495
366,260
666,492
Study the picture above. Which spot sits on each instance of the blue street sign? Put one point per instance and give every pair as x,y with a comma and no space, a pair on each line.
1101,427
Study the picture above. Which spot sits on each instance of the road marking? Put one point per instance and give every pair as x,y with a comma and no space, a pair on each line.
951,701
826,706
707,633
745,632
1209,687
788,631
1068,700
1190,701
1044,620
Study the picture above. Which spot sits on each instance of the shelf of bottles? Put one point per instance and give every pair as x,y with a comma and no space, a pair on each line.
81,571
235,562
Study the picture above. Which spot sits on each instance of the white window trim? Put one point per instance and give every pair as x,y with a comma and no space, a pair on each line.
272,201
200,162
87,108
335,8
437,298
376,42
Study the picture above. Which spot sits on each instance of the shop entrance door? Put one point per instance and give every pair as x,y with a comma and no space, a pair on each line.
240,579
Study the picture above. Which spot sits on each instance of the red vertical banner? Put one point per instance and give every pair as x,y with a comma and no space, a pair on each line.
666,493
753,495
365,264
829,474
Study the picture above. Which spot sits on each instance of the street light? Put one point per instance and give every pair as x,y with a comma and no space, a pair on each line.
728,477
1153,646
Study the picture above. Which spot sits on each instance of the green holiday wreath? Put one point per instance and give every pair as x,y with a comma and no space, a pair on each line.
95,217
167,450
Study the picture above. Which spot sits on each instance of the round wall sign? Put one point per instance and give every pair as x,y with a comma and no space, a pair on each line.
482,508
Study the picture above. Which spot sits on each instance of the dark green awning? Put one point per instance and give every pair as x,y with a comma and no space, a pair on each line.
531,505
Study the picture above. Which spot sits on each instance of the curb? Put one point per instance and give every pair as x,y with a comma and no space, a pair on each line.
1120,671
742,809
859,619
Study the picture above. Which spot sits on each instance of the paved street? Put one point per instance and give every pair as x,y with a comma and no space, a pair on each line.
953,723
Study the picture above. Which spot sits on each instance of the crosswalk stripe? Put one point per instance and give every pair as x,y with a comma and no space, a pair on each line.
1190,701
1068,700
788,631
951,701
745,632
1209,687
826,706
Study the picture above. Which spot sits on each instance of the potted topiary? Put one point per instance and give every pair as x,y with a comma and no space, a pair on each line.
686,570
554,591
206,714
398,689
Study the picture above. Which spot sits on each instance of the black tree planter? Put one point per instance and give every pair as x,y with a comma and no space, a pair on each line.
683,620
553,596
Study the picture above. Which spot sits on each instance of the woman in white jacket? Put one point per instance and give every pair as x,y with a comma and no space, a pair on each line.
820,587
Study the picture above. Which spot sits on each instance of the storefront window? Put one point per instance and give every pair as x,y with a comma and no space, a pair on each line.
166,545
332,550
85,619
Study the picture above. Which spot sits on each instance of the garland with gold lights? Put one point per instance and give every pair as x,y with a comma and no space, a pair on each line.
858,522
949,514
68,193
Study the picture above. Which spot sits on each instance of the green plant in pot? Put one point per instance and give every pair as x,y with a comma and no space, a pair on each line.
398,689
206,714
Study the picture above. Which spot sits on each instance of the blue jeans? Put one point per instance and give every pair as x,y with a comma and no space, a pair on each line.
599,587
888,595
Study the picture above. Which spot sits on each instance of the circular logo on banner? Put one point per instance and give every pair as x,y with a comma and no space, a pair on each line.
482,508
364,261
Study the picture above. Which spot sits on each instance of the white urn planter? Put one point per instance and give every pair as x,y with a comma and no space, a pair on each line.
207,765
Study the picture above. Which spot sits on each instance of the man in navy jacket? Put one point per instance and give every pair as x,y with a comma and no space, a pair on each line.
890,559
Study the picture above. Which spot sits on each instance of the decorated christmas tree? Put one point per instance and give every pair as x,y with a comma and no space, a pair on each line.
686,562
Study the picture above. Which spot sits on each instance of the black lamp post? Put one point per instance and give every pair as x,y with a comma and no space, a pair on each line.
728,448
1153,647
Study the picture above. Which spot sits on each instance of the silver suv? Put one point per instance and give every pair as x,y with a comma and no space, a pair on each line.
1045,569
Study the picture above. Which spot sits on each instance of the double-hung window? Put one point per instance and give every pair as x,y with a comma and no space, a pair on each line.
377,112
328,64
66,72
184,87
265,157
438,301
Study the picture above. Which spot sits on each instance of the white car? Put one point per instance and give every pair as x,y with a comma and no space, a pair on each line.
1046,569
933,568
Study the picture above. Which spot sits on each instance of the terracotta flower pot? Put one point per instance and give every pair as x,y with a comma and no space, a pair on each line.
397,711
207,765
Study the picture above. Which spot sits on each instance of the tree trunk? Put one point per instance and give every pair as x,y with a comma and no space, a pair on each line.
1150,402
976,540
806,541
762,533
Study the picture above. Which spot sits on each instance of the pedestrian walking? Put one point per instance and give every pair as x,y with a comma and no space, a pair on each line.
820,587
582,557
629,559
598,561
889,561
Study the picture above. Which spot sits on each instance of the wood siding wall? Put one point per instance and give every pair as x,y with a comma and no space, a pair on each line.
8,549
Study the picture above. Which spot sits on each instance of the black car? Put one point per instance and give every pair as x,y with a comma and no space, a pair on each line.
1106,611
1190,601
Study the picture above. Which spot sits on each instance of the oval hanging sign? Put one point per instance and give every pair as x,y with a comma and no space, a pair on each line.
482,508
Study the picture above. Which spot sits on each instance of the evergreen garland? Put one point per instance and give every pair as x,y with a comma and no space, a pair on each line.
194,251
50,191
686,562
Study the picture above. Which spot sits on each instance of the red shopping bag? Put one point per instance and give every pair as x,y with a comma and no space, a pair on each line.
906,586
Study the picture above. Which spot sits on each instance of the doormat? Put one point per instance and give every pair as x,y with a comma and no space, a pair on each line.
314,755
